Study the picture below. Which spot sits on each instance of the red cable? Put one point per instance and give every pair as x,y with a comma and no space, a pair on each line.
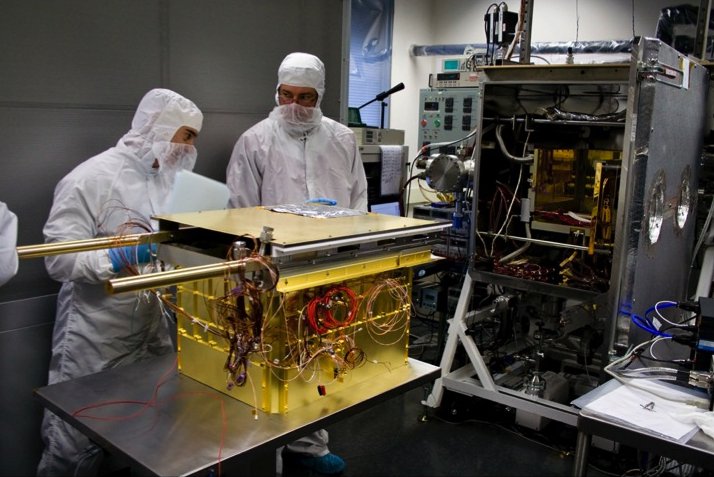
319,310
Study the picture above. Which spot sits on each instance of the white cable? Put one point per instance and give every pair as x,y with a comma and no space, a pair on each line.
652,351
661,317
508,212
519,251
505,151
633,382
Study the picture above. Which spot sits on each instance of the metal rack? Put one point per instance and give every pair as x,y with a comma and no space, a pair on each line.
656,150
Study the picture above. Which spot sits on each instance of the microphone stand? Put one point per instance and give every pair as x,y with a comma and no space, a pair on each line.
384,106
381,97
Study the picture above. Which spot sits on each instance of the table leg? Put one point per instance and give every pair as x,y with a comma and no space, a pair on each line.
581,454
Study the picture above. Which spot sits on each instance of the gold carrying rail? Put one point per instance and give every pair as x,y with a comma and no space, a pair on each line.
138,282
74,246
172,277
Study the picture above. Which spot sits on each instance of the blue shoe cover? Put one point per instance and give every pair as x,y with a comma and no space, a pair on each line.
328,464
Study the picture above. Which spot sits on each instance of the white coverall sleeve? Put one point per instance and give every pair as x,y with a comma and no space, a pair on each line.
71,219
358,199
8,244
243,178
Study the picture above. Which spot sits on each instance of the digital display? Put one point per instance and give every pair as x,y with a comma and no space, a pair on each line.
448,76
451,65
431,105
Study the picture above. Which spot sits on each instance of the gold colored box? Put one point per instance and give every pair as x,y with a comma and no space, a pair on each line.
336,315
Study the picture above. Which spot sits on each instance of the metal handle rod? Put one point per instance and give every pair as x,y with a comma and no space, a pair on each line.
547,243
172,277
74,246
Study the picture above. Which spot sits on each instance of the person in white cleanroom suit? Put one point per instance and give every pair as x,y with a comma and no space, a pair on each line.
8,244
293,156
112,193
296,154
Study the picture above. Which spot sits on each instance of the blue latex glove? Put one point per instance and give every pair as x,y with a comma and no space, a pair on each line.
322,201
131,255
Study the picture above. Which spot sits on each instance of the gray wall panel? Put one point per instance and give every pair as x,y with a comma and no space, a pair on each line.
230,70
39,147
24,357
233,49
72,73
26,314
78,51
216,141
325,40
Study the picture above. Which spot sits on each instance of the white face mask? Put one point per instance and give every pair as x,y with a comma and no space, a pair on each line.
296,119
173,156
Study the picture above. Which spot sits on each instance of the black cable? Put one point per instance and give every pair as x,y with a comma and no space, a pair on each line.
488,43
658,360
402,208
577,20
489,58
633,18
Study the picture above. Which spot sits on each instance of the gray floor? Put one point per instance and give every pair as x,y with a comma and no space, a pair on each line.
466,436
392,439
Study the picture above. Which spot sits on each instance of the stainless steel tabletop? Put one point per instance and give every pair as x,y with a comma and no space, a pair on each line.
186,427
698,450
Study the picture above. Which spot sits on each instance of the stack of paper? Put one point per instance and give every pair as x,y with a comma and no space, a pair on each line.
650,411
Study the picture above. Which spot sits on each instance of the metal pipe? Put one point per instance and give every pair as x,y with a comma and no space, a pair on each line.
537,48
172,277
547,243
702,33
524,57
74,246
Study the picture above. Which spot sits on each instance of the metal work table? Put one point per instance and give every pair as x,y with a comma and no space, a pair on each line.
698,450
187,428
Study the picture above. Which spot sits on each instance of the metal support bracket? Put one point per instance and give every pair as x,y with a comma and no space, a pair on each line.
655,71
461,380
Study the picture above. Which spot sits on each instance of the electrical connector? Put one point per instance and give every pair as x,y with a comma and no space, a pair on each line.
704,353
689,306
689,339
701,379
